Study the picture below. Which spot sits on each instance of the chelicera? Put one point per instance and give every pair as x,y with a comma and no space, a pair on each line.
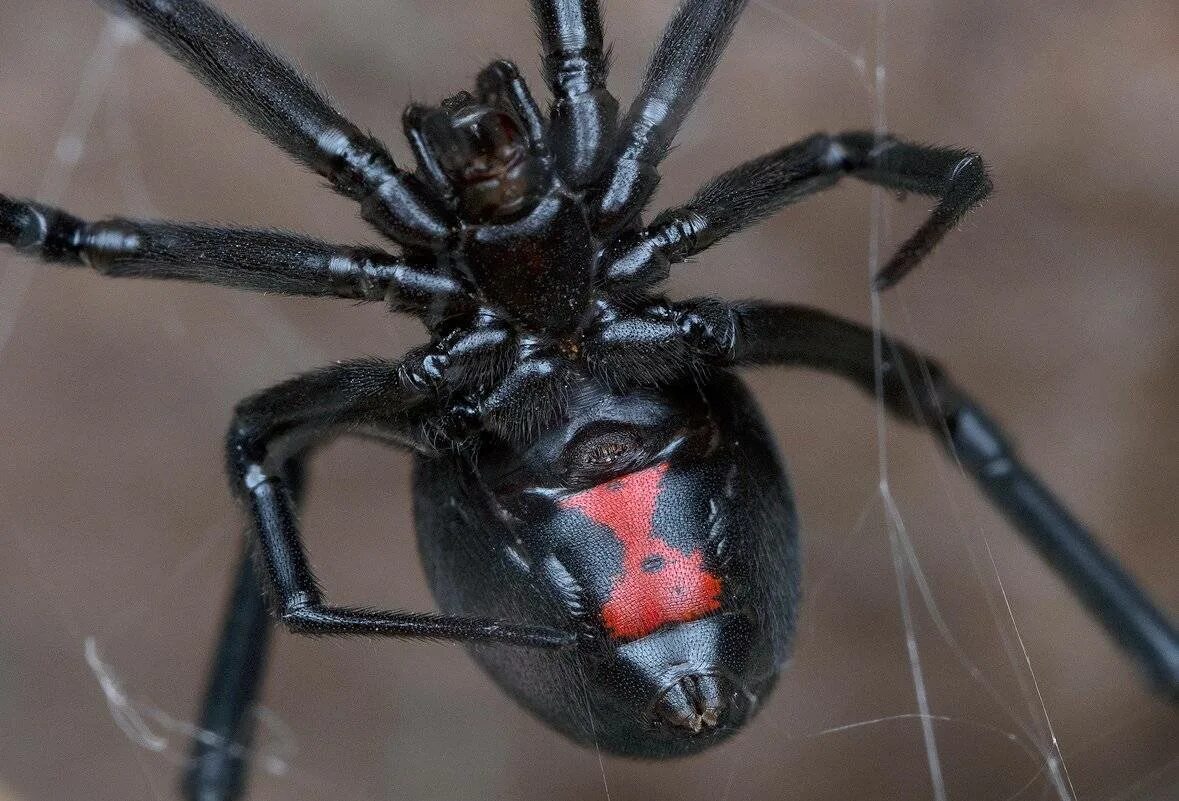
600,508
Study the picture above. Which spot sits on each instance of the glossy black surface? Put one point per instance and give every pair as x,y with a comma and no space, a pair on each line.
584,113
494,536
594,487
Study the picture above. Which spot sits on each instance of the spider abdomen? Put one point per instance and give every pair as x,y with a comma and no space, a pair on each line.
677,565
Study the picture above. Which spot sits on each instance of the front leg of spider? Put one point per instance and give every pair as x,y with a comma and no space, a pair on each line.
752,191
283,106
575,65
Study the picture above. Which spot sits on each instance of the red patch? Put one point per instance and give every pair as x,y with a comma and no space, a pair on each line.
658,584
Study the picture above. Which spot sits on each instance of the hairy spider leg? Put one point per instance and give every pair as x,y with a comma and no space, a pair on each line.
279,426
751,191
682,63
259,260
584,114
282,105
793,335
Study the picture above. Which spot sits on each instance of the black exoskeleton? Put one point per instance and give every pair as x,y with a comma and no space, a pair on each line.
594,485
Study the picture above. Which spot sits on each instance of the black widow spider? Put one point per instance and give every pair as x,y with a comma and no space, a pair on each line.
594,486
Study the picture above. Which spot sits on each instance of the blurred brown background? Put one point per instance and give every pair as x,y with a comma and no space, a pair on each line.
1057,303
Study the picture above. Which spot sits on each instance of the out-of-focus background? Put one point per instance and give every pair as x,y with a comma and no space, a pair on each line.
1057,303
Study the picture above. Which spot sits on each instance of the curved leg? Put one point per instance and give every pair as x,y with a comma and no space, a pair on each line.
746,194
772,334
584,113
682,63
219,763
362,397
262,260
282,105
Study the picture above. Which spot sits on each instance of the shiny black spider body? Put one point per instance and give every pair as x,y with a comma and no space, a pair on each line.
594,485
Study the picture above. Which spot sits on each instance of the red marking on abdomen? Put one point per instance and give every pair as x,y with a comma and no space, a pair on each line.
658,584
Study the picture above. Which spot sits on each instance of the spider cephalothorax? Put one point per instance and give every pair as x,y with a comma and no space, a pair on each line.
594,486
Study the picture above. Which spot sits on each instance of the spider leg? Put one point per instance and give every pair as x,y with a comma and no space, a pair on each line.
282,105
747,193
357,397
682,63
584,113
478,353
771,334
216,769
527,391
262,260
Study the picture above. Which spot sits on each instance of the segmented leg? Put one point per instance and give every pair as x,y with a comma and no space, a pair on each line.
746,194
773,334
281,104
682,63
363,397
217,768
262,260
584,113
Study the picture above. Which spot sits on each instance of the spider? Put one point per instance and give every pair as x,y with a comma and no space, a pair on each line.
600,508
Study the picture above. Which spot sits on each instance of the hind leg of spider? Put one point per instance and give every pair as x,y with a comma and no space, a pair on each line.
219,761
916,389
217,766
262,260
364,397
281,104
751,191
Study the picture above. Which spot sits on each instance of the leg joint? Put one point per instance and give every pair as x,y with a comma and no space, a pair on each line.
298,613
105,243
